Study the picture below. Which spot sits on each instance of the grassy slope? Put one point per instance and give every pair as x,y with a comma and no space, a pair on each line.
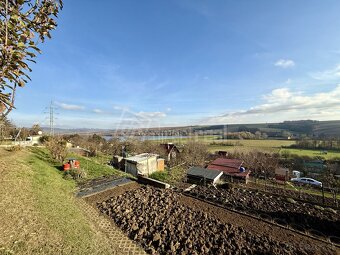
39,213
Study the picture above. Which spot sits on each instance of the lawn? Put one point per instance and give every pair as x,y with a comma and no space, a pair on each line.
248,145
278,146
312,153
39,214
97,167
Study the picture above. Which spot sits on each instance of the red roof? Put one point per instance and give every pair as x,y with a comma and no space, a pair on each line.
228,166
228,162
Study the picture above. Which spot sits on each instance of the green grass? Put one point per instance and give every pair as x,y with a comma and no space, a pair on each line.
278,146
162,176
249,145
172,176
39,212
312,153
93,166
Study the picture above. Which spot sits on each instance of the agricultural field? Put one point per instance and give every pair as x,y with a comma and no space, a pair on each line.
270,146
273,146
248,145
312,153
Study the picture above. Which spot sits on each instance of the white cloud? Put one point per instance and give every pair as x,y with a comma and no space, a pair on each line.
70,107
150,115
283,104
328,75
97,111
121,108
168,109
285,63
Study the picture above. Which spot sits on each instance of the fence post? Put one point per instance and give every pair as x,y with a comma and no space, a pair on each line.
323,196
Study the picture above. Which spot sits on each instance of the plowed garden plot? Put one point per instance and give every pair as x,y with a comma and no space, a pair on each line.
303,216
166,222
317,199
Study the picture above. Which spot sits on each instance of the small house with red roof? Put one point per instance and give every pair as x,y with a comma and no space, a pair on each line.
232,169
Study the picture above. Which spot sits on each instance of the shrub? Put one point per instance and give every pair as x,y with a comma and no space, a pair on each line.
57,148
15,148
77,173
160,176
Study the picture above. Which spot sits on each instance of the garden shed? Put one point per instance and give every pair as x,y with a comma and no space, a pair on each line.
204,176
143,164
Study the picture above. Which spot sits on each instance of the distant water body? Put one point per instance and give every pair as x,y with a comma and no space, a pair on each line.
147,137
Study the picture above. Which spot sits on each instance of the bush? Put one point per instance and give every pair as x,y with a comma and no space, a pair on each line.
67,176
15,148
162,176
77,173
57,148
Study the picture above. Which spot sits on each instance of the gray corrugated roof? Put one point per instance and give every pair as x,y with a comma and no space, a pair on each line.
203,172
141,157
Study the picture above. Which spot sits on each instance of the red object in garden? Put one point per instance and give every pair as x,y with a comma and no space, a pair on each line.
76,164
71,164
66,167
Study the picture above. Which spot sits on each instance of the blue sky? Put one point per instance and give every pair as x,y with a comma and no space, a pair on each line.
132,63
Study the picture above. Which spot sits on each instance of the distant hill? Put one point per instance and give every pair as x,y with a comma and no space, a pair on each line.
300,128
311,128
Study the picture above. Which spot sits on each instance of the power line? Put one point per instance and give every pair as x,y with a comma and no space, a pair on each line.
51,112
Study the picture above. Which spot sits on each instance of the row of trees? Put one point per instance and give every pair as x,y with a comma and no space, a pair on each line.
9,131
319,144
193,153
245,135
260,163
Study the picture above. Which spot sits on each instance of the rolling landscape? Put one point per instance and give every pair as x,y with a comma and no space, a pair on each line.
191,127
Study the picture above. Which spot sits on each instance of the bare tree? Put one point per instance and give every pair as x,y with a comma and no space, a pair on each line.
195,153
330,180
57,148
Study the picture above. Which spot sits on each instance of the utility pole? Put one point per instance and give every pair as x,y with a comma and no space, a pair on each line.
225,132
51,111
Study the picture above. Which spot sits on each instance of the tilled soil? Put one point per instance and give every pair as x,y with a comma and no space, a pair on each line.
300,215
162,223
296,195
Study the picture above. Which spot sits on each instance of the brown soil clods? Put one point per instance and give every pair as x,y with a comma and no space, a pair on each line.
163,224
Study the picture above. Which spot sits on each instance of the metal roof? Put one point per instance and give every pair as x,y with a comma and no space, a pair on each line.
141,157
204,173
227,162
228,170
